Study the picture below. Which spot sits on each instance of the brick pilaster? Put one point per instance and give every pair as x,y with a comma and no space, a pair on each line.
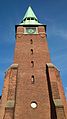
57,105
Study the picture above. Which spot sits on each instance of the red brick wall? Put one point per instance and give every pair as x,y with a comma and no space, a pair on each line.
26,91
8,114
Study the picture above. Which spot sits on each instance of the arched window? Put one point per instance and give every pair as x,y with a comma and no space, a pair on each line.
31,51
32,63
32,79
31,41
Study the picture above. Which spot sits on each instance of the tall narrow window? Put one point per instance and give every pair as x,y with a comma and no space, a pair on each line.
31,41
32,79
32,63
31,51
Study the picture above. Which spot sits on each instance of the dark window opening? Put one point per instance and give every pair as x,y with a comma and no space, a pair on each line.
32,79
31,41
32,63
32,18
24,19
31,51
36,19
28,18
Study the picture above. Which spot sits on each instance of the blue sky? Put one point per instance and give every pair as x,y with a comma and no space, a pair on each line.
50,12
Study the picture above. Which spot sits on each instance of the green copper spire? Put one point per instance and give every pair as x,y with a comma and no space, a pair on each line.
30,13
30,18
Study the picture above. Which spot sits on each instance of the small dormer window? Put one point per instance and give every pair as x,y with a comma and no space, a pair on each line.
28,18
32,18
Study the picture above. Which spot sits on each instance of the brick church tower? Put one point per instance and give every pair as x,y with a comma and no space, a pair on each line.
32,86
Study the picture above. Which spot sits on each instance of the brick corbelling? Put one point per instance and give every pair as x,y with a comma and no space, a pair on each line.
20,29
42,29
